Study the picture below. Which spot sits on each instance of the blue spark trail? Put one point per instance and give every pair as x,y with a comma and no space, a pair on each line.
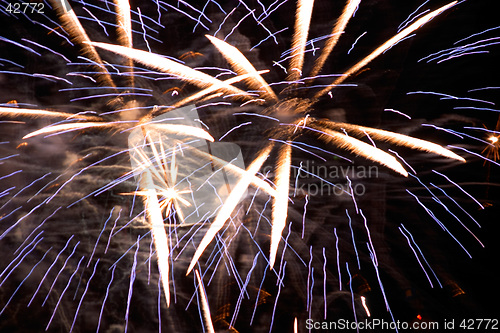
258,294
410,18
338,257
33,245
456,203
24,188
448,96
100,234
478,155
353,241
460,188
64,291
324,284
352,297
48,270
416,256
59,273
304,215
83,295
436,199
105,298
242,292
36,229
280,283
398,112
131,283
375,266
184,13
24,280
355,42
422,255
431,214
369,237
310,270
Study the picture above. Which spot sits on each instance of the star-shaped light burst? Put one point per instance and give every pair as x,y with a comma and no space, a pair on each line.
340,135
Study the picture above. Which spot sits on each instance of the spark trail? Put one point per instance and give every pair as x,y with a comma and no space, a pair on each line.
200,154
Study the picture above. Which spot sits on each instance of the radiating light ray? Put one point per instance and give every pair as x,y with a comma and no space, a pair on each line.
157,164
355,42
384,47
180,129
185,73
60,270
410,17
202,93
65,128
230,203
242,66
73,26
123,22
365,306
337,31
375,266
280,203
37,113
124,32
155,220
478,155
204,304
396,138
15,224
361,148
352,194
256,181
449,96
301,31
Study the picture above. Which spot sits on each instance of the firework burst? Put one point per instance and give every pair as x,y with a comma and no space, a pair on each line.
216,170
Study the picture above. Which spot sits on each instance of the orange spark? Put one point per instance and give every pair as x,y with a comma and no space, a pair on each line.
230,203
301,31
280,204
242,66
204,304
183,72
155,219
388,44
361,148
337,31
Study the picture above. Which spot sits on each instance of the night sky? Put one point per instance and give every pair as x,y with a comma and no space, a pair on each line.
440,85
